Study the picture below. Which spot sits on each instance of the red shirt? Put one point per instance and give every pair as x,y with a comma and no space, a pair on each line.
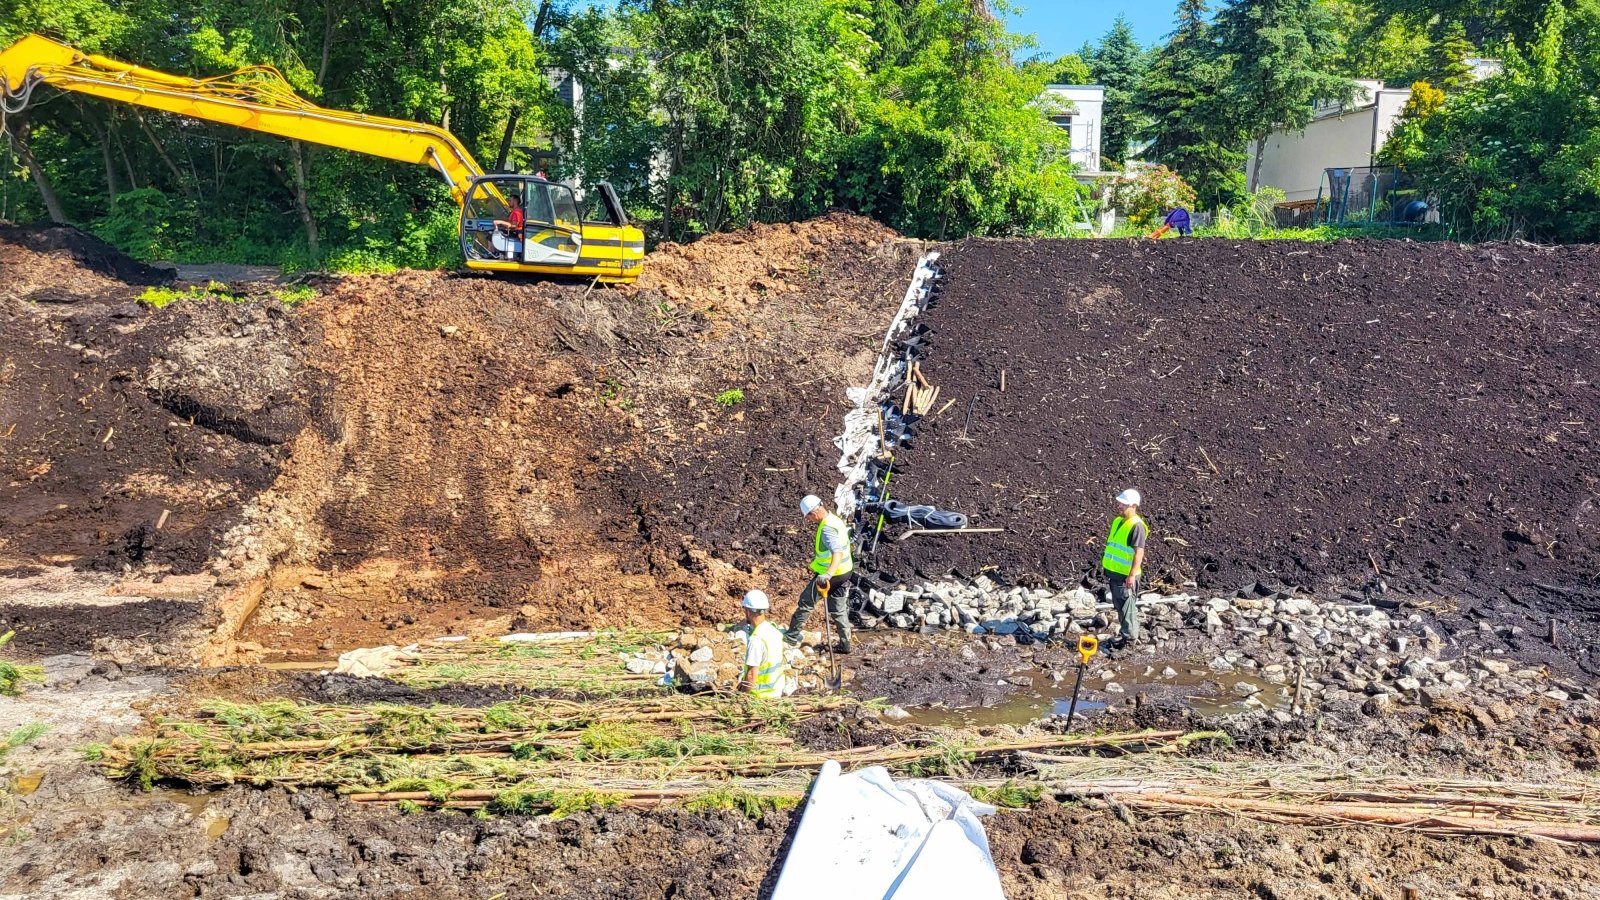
516,218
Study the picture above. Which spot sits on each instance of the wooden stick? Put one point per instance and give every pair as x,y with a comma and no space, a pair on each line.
1214,469
947,404
1002,381
1364,814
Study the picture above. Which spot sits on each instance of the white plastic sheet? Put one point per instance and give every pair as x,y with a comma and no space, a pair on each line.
864,836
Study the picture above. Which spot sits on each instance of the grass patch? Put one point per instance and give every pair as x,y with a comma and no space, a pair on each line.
14,675
161,296
259,722
730,398
948,759
1009,795
291,296
753,805
22,736
613,740
558,803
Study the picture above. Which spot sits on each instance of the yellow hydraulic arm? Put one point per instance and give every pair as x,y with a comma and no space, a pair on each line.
257,98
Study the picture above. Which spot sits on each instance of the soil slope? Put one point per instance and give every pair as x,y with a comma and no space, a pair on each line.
426,452
1311,415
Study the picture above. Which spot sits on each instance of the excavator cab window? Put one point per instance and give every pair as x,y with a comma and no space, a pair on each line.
551,233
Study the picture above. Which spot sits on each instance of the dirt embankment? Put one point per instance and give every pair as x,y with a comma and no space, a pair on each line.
60,264
1315,415
425,452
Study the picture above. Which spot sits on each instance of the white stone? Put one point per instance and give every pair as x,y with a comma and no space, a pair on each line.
701,654
1494,666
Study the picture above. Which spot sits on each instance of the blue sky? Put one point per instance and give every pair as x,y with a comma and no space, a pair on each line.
1061,26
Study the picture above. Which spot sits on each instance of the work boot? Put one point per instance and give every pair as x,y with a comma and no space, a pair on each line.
842,648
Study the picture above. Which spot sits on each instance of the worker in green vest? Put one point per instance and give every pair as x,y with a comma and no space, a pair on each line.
1123,562
831,566
764,673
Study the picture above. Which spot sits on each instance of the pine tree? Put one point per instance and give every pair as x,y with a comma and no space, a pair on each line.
1447,64
1119,64
1188,125
1280,57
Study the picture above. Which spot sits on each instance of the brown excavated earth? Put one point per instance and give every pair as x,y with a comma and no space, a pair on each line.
423,453
1319,416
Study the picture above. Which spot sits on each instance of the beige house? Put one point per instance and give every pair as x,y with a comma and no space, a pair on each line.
1340,135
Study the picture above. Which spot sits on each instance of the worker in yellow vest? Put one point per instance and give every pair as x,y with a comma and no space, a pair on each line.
831,566
764,670
1123,562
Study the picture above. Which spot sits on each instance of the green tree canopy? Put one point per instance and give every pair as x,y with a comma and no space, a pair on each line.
1189,125
1280,56
1118,63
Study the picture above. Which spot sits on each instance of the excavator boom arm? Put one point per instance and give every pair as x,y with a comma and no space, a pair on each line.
257,98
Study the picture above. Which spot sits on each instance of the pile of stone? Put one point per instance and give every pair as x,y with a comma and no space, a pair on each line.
1319,651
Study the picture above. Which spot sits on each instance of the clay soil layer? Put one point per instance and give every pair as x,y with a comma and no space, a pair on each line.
1323,416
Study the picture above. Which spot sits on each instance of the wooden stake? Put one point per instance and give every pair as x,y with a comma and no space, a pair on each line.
1002,381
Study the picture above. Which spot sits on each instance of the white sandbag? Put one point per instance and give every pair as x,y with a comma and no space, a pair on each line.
864,836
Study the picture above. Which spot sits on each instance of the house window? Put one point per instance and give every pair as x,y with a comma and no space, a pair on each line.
1062,121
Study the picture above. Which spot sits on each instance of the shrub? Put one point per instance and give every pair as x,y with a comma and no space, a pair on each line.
1148,194
731,398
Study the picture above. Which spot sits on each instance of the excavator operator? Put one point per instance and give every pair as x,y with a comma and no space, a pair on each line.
511,226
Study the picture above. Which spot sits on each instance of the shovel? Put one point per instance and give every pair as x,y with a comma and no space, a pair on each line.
835,677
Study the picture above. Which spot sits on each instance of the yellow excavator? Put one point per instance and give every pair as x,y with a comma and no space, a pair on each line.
509,223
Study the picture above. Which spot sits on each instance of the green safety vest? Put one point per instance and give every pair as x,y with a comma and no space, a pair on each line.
1118,557
768,682
825,561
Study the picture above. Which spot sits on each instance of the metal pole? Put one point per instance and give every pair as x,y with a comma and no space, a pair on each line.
1075,685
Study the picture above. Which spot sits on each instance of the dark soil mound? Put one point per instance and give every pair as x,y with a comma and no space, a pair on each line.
108,417
1317,415
86,250
68,627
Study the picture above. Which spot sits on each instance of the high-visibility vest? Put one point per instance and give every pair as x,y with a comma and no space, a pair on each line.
768,682
825,561
1118,557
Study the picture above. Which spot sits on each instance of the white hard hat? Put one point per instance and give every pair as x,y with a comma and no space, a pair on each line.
1129,497
811,502
756,600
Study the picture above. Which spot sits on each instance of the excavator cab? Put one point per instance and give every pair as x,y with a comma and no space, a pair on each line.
553,237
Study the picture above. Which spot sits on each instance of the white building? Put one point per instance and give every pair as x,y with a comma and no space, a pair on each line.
1339,136
1075,108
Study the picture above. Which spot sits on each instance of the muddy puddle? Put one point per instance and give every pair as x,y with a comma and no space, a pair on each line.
1039,693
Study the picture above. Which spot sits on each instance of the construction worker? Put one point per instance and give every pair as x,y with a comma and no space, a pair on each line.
1179,219
1123,562
763,654
831,566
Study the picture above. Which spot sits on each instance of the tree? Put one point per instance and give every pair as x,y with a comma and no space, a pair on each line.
1520,153
1190,128
1119,64
1279,55
1068,69
953,142
1447,59
1403,146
